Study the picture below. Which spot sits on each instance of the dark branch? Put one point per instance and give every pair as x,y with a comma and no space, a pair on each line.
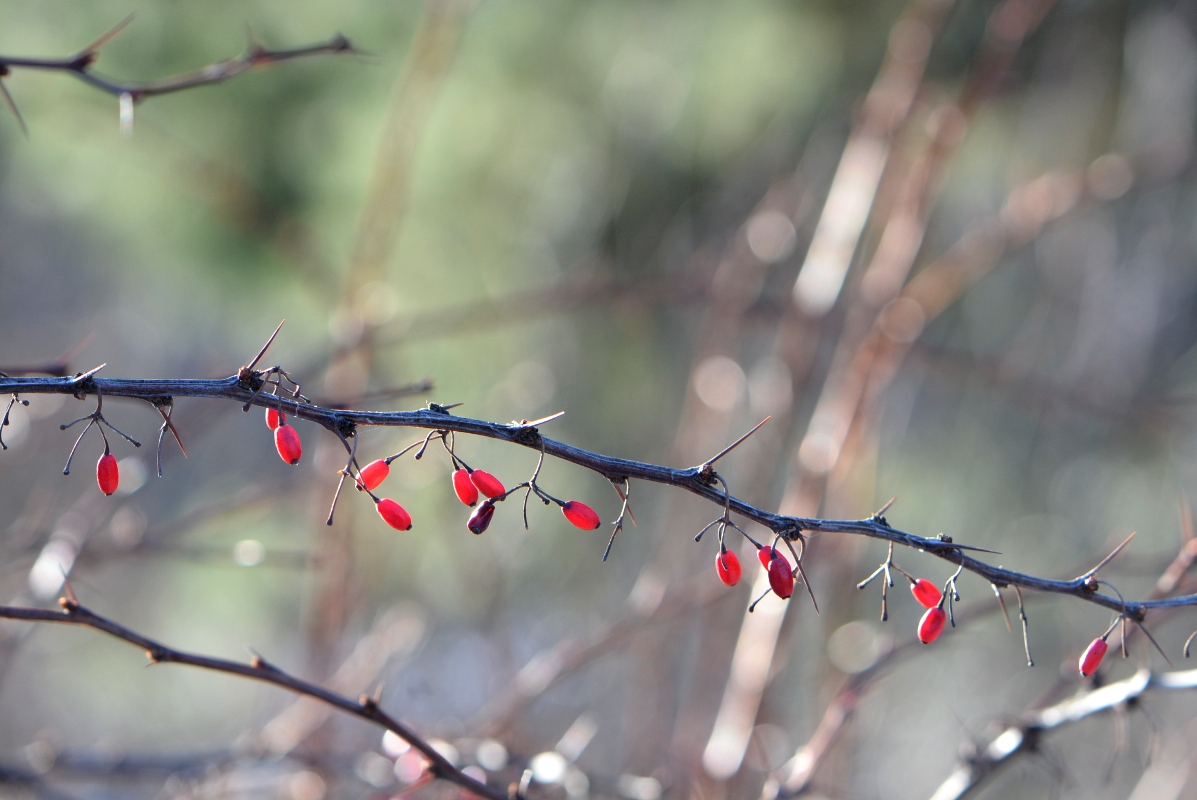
698,480
80,65
258,670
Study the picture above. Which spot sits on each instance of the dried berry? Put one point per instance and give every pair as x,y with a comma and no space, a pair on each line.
480,520
931,625
926,592
581,515
488,484
1091,658
393,514
286,441
274,418
374,473
727,566
781,576
107,473
465,489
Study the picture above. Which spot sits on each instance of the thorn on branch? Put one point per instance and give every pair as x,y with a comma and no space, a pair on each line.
879,514
705,467
1084,577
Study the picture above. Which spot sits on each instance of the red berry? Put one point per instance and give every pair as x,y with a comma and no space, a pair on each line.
926,593
488,484
781,577
466,491
1091,658
374,474
274,418
581,515
766,555
480,520
107,473
286,441
393,514
727,566
931,625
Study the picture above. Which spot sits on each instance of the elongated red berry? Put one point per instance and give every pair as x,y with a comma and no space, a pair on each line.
274,418
926,592
488,484
374,473
931,625
107,473
480,520
727,566
781,577
465,489
393,514
766,555
1091,658
286,441
581,515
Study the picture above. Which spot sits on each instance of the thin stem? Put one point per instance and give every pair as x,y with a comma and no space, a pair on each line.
345,473
1022,617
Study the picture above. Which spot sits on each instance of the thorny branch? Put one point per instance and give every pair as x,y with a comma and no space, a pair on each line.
80,66
700,480
258,669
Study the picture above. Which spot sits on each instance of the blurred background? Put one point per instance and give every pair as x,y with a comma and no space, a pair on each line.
947,246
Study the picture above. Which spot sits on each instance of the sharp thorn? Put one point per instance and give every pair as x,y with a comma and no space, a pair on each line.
735,444
266,346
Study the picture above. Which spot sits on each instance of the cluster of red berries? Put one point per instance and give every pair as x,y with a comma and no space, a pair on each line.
781,573
930,598
468,484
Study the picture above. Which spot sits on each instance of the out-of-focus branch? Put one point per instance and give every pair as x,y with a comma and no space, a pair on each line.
31,782
80,66
259,669
551,666
1025,735
684,287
